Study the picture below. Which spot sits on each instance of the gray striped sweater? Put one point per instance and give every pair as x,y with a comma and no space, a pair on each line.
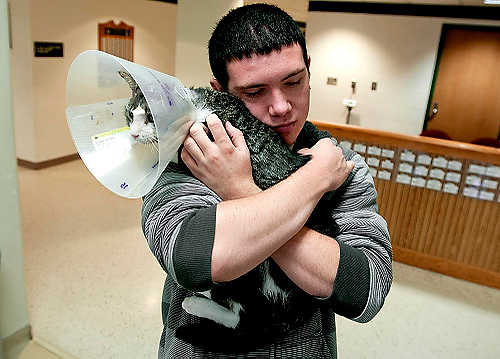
178,220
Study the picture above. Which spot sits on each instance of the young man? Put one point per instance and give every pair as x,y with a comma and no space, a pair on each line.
220,225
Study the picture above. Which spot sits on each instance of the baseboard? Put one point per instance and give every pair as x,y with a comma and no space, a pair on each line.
48,163
447,267
23,334
53,349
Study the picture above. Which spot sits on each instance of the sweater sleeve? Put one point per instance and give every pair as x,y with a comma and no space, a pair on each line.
364,275
178,221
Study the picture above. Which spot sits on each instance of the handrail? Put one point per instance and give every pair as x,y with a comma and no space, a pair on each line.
419,143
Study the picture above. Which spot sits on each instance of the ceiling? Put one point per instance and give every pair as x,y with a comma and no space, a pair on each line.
298,8
425,2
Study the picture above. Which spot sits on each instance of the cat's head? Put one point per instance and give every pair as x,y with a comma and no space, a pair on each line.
142,128
138,114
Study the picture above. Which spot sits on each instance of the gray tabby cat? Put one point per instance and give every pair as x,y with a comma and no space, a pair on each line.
265,292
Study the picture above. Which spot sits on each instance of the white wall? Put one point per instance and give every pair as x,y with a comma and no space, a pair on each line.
195,22
13,308
398,52
39,83
21,56
297,9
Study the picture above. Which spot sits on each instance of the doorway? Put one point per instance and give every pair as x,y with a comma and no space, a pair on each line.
464,102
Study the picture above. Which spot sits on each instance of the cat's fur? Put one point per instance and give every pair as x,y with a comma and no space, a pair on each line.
264,294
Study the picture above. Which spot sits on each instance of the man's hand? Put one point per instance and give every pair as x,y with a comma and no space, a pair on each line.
328,163
224,164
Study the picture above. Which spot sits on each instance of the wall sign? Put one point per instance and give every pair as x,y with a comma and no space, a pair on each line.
116,39
48,49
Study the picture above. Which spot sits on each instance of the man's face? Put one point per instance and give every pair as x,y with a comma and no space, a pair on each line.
275,88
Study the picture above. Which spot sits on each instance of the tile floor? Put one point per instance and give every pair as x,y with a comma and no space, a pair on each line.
94,289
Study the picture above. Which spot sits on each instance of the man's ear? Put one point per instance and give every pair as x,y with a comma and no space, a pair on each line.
308,61
216,85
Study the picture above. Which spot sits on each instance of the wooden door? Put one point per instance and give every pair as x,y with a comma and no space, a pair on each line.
466,97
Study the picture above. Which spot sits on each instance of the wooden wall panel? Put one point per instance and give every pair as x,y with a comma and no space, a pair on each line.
451,233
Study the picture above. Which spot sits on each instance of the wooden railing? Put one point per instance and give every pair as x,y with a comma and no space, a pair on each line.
441,200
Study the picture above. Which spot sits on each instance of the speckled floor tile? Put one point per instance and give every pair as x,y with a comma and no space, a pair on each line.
94,288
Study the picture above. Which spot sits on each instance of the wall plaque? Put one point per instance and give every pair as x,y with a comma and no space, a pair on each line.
455,165
421,171
418,182
453,177
493,171
360,148
117,39
387,164
434,184
345,144
372,161
424,159
450,188
408,156
374,150
387,153
405,167
385,175
48,49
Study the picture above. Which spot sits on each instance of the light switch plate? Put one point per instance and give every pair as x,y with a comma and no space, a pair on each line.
349,102
331,81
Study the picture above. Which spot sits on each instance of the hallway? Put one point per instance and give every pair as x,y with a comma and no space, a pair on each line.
94,289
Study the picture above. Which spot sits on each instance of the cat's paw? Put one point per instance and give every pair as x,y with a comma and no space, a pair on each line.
206,308
193,305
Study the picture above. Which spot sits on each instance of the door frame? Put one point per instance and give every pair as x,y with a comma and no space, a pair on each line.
444,30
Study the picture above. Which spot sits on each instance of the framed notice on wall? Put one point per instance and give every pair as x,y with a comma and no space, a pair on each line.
117,39
48,49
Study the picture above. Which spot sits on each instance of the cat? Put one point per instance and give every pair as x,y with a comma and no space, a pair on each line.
265,292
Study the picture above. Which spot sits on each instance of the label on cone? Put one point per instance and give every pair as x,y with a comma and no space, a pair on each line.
118,138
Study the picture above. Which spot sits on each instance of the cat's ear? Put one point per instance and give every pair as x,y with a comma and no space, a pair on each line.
216,85
130,81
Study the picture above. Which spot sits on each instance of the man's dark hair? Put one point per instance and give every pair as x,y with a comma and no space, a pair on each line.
248,30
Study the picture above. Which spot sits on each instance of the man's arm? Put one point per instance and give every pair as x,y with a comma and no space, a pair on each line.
310,259
250,229
360,274
353,272
178,221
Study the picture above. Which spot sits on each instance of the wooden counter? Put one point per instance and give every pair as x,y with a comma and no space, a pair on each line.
441,199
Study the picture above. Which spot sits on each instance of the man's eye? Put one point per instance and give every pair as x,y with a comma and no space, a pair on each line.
252,94
293,83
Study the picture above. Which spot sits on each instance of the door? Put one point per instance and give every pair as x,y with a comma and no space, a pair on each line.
465,101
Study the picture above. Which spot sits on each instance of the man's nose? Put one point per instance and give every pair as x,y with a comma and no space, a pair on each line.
279,105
